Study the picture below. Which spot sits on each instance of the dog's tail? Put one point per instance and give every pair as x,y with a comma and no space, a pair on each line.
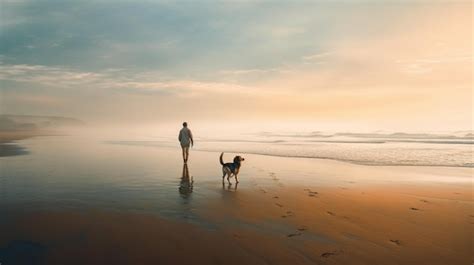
220,159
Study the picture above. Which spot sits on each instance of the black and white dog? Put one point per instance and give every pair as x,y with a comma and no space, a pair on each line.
231,169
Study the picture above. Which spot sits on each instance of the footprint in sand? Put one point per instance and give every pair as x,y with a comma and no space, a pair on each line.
288,214
311,193
329,254
396,242
279,205
276,197
293,234
425,201
414,209
343,217
276,179
300,230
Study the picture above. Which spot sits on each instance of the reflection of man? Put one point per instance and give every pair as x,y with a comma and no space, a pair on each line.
186,185
185,139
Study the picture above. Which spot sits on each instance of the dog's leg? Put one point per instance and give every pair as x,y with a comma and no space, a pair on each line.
228,176
236,179
223,175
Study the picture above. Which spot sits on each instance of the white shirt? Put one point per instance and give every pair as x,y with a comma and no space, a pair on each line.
185,136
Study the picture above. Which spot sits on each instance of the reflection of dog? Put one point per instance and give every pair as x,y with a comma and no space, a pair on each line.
228,187
231,169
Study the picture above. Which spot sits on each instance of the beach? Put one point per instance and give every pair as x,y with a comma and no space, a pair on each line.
83,202
349,124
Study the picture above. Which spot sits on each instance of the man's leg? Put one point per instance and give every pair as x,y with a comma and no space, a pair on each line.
184,153
187,154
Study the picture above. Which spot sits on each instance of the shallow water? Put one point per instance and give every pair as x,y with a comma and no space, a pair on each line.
70,172
64,173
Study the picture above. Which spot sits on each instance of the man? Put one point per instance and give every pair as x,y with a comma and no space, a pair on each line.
185,138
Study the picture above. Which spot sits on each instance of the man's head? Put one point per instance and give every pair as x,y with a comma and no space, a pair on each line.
185,124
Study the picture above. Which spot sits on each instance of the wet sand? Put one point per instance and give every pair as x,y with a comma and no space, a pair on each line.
8,145
12,149
274,216
8,136
361,225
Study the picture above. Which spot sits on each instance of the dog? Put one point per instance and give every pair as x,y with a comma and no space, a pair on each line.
231,169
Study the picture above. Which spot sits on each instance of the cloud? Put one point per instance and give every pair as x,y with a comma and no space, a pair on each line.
41,100
317,56
114,79
427,64
45,75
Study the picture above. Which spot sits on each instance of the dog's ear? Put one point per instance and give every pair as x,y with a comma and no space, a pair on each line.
236,159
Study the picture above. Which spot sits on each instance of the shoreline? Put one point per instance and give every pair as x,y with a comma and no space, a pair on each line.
353,162
10,136
167,144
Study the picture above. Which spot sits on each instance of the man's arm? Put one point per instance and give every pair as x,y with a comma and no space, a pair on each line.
179,136
191,137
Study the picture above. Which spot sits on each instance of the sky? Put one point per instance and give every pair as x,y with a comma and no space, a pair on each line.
324,65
